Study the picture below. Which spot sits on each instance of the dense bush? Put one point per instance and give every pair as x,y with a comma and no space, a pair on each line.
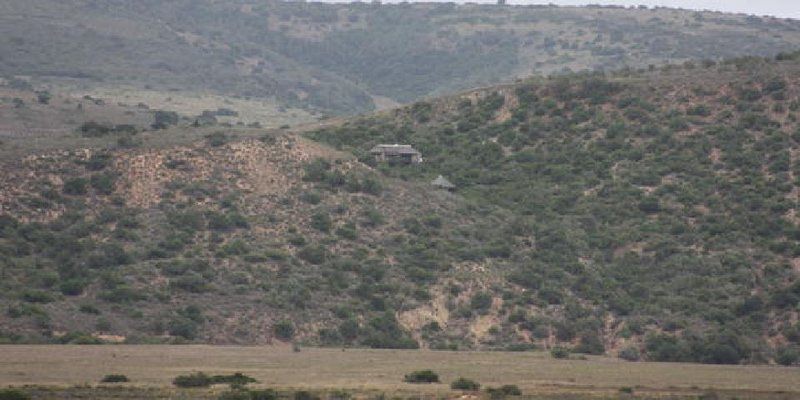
630,354
236,379
114,378
197,379
787,356
503,391
423,376
13,394
559,352
284,330
465,384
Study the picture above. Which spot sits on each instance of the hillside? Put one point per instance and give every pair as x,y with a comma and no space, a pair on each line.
223,240
348,58
648,214
656,212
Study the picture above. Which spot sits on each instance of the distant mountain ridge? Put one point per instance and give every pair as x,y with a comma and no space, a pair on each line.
336,58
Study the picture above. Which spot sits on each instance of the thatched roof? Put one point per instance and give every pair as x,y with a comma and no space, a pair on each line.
443,183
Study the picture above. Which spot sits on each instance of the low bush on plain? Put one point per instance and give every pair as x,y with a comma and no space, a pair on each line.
423,376
114,378
465,384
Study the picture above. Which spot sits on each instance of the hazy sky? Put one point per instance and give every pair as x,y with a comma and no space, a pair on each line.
780,8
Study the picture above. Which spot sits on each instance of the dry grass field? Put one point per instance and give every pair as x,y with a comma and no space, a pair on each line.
371,371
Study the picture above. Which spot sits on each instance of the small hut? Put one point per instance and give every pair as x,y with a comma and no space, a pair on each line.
442,183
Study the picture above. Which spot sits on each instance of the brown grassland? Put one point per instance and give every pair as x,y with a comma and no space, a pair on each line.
53,371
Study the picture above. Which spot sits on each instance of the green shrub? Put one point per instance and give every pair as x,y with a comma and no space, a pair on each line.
630,354
481,301
284,330
503,391
590,344
787,356
13,394
313,254
321,221
103,183
423,376
183,327
304,395
37,296
88,309
465,384
197,379
559,352
72,287
510,390
163,119
235,395
347,231
263,394
235,379
114,378
75,186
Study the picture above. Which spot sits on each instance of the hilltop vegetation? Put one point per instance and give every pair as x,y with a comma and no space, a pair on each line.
656,212
345,58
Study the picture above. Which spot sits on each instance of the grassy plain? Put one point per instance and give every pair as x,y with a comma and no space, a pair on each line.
151,368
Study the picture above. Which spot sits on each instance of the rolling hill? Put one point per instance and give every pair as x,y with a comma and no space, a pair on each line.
645,214
351,58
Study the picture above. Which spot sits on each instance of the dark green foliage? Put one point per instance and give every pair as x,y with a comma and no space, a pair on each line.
465,384
43,97
183,327
313,254
347,231
384,332
630,354
35,296
98,161
75,186
114,378
559,352
263,394
13,394
321,221
510,390
163,119
590,343
72,287
235,395
217,139
481,301
197,379
94,129
720,348
787,356
284,330
103,183
304,395
422,376
236,379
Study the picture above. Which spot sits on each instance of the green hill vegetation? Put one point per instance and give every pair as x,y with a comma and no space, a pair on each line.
655,205
649,214
345,58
